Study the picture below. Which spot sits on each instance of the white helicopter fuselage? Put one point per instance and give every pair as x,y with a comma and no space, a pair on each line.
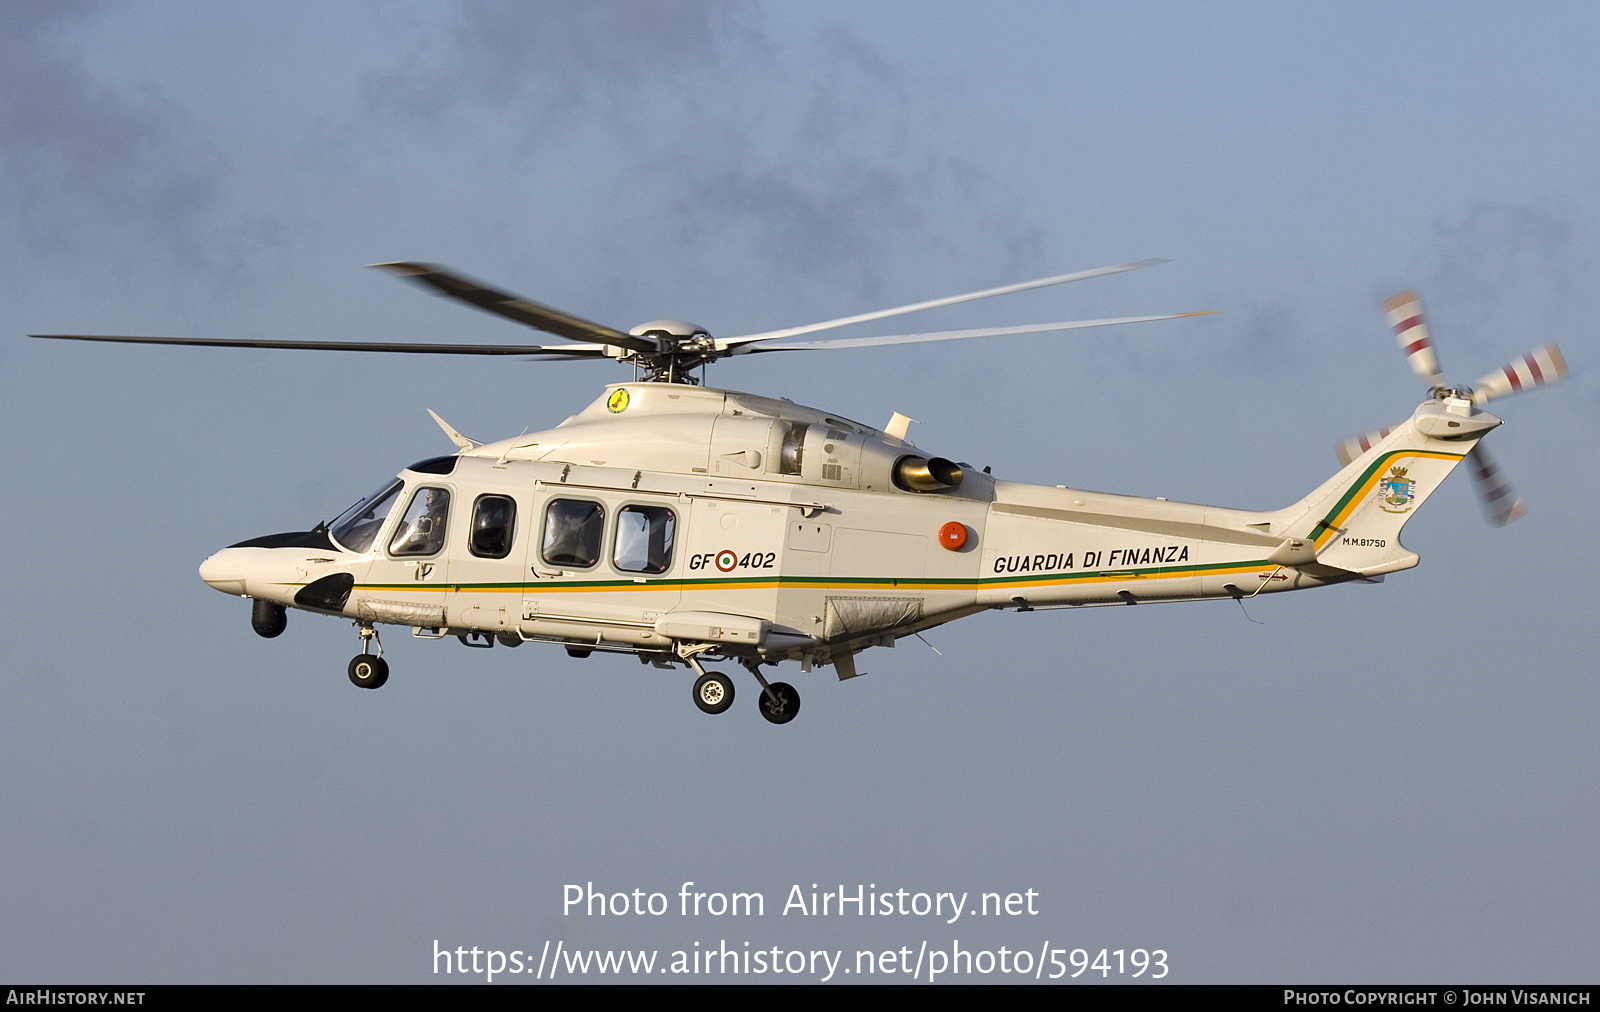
668,520
681,523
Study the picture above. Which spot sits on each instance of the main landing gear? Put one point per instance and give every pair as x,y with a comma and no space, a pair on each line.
778,702
369,671
713,691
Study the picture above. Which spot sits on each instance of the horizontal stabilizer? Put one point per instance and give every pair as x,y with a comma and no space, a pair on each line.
1294,552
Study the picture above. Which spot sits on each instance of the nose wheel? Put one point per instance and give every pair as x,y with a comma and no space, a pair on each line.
368,671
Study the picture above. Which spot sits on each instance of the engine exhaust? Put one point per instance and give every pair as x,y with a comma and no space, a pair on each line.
920,474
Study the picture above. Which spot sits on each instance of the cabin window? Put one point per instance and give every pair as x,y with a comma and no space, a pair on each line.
355,528
493,520
421,532
644,539
572,532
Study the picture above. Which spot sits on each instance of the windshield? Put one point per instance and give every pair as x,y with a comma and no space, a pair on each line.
355,528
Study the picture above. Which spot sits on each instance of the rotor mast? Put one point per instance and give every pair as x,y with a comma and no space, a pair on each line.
681,348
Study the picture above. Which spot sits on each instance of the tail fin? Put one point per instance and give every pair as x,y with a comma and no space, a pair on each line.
1354,518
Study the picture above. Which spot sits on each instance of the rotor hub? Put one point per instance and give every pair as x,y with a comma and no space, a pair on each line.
669,328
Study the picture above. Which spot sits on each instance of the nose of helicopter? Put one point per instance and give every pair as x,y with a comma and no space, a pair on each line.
226,570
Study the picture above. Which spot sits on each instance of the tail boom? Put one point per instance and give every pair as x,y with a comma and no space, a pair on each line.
1058,547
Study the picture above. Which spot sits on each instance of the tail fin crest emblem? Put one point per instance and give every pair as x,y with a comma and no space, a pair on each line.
1396,492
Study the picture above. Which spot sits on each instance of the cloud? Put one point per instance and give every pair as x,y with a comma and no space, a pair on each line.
80,162
1502,277
845,181
1495,248
802,154
548,57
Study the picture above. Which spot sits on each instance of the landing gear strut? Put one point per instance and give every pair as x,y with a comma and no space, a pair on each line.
369,671
713,692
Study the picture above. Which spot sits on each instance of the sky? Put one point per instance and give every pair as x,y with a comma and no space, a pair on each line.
1361,783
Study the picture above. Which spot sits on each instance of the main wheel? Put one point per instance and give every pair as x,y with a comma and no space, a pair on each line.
368,671
713,693
782,709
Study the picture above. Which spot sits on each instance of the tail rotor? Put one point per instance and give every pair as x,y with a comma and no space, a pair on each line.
1351,447
1411,330
1499,500
1540,367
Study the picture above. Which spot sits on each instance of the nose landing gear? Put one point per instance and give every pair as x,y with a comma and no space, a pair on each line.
369,671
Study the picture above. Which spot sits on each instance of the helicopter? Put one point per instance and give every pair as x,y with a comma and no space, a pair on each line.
684,524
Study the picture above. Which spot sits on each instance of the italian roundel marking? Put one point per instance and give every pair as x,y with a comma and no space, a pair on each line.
618,401
726,560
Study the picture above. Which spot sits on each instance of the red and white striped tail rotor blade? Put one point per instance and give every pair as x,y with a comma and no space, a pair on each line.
1540,366
1405,317
1352,447
1499,499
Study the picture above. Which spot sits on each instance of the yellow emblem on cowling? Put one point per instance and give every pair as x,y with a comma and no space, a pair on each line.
618,401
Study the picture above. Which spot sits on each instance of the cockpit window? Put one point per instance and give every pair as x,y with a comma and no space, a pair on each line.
422,530
644,539
434,465
354,529
572,532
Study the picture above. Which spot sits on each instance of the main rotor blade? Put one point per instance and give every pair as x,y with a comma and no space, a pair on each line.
1538,367
950,335
529,314
1060,279
1405,316
555,350
1498,498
